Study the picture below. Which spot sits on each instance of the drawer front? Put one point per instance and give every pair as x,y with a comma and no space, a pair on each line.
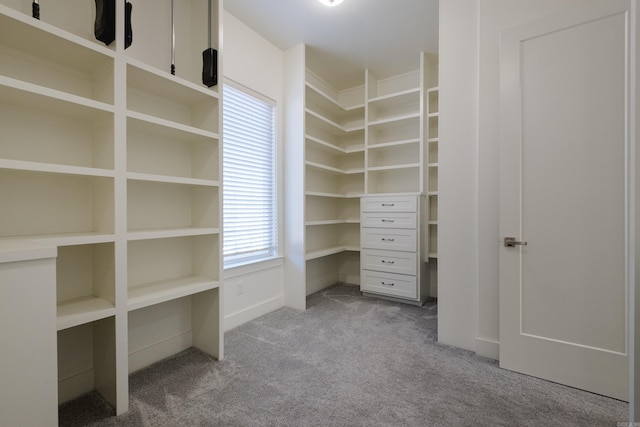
389,204
397,285
391,220
389,239
390,261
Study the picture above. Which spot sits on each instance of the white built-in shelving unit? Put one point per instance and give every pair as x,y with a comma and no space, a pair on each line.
395,134
334,177
360,141
394,230
108,157
432,168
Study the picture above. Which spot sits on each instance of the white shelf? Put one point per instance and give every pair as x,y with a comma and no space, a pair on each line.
330,251
81,311
332,147
394,167
322,98
333,195
38,38
333,125
436,114
134,176
170,232
433,139
394,143
332,222
329,101
398,120
67,239
28,95
164,85
433,255
54,168
397,98
433,222
167,128
433,165
167,290
433,89
331,169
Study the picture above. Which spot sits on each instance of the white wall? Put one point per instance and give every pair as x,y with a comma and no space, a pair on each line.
469,156
457,157
250,60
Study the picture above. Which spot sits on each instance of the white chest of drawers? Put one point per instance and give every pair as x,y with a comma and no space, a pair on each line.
392,247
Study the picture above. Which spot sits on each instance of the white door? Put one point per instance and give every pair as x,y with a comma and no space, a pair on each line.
564,189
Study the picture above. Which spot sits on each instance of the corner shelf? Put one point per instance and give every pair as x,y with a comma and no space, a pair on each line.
330,251
334,177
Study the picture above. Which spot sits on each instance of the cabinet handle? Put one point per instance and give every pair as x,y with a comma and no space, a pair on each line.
387,284
388,205
388,220
387,262
385,239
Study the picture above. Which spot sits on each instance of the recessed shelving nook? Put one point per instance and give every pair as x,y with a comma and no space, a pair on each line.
360,141
395,133
395,228
334,178
110,158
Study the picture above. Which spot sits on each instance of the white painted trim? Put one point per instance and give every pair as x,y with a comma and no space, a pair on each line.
75,385
250,313
486,347
254,267
161,350
634,269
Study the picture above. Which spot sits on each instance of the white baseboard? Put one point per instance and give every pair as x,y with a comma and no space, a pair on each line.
75,386
246,315
158,351
320,284
488,348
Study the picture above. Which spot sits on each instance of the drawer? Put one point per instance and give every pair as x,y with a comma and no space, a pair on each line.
397,285
389,204
390,261
393,239
390,220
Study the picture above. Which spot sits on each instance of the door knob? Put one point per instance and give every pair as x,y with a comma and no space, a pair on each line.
511,242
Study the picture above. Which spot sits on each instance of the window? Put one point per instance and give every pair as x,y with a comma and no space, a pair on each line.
249,174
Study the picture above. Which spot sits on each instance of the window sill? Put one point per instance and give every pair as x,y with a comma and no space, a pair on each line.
253,267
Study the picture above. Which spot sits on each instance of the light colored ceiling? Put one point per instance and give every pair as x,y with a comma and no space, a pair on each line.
384,36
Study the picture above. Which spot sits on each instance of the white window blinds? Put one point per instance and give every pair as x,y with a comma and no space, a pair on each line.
249,196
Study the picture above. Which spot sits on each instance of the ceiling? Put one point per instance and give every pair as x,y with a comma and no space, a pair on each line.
384,36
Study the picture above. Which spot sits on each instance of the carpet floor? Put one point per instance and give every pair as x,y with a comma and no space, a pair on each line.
348,360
